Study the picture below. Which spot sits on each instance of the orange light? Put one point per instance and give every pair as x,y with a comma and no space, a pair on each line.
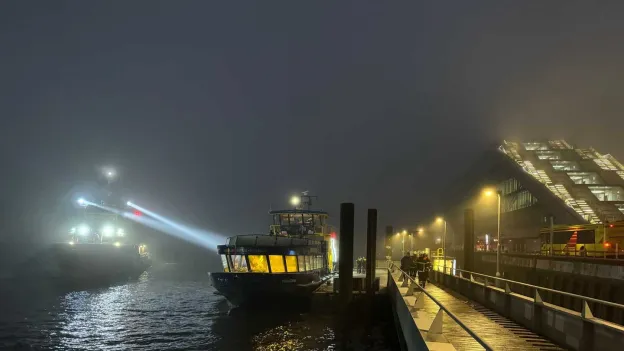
610,225
607,244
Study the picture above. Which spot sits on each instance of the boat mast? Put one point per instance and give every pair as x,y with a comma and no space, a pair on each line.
306,200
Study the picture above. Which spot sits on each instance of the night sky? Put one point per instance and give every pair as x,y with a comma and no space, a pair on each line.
215,111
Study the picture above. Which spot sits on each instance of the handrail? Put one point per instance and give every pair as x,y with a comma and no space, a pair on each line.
565,293
449,313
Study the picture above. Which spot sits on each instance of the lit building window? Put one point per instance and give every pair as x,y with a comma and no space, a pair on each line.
548,155
608,193
258,263
238,263
565,166
605,164
308,263
302,266
518,201
277,263
587,154
535,146
585,178
559,144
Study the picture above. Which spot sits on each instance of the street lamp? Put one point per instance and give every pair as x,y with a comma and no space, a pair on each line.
491,192
440,220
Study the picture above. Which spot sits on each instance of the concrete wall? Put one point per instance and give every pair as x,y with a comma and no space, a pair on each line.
409,335
563,326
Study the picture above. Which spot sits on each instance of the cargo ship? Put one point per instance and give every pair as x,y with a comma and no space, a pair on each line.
292,260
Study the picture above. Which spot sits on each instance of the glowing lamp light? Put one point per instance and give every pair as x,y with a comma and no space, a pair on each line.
439,219
82,202
108,230
117,244
137,213
333,235
295,200
607,245
84,230
71,243
129,203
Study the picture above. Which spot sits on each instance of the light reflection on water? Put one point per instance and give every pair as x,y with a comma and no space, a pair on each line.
160,311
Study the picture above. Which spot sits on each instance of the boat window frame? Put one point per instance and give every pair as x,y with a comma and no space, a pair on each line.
266,257
271,266
227,262
296,263
299,267
231,264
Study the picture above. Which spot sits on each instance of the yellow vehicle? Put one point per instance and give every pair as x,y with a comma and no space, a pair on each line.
569,239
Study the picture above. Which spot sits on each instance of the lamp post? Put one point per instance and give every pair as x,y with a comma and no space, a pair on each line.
490,192
440,220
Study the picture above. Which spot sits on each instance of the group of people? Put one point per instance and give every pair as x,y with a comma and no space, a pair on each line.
420,265
361,264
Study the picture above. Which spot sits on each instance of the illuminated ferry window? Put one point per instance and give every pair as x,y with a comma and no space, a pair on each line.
308,261
277,263
225,264
302,266
258,263
320,262
238,263
291,263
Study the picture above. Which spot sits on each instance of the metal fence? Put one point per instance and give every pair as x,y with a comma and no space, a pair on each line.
533,290
392,266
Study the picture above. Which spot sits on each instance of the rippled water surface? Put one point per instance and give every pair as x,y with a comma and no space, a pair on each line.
166,309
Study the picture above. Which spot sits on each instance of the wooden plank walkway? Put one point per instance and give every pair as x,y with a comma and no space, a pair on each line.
499,332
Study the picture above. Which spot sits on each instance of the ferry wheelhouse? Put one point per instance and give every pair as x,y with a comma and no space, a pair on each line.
296,256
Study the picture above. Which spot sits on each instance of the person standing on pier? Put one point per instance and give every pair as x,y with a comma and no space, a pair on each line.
406,261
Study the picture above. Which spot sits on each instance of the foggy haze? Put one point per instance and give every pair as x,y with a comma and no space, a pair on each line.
215,112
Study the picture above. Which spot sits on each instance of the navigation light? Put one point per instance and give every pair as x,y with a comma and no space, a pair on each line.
84,230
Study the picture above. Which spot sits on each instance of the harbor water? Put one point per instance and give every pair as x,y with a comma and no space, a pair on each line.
170,307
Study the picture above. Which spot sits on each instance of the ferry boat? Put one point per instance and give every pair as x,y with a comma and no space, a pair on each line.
293,259
101,247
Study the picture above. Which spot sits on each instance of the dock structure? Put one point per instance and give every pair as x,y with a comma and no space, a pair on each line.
467,311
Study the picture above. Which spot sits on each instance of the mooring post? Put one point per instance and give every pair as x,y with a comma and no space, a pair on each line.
371,245
345,265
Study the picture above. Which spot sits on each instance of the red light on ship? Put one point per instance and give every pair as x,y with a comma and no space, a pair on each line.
333,235
137,213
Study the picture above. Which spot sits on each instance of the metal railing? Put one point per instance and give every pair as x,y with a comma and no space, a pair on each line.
482,342
585,311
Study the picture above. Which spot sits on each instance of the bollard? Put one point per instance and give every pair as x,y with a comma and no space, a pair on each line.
371,243
345,265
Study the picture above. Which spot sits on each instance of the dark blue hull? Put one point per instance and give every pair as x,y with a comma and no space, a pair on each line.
262,288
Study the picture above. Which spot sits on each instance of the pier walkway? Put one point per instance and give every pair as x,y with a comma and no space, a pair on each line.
497,331
460,313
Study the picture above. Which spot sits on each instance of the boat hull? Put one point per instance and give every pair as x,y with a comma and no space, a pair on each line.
255,289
